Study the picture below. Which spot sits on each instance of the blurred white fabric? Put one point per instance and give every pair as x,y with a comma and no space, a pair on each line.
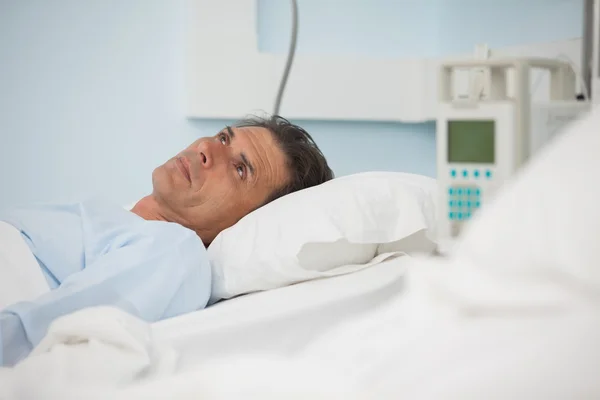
21,278
101,347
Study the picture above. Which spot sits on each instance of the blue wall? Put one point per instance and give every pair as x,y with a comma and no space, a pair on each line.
506,22
415,28
375,28
91,97
91,92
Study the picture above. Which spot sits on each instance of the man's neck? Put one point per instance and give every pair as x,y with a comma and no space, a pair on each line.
148,209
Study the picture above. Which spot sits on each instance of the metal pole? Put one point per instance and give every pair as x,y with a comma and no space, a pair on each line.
587,44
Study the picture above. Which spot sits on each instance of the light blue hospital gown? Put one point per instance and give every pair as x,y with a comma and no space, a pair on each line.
93,254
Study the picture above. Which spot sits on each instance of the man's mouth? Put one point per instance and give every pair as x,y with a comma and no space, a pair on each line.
184,168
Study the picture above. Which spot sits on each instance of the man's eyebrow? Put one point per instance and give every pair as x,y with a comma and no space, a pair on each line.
243,155
245,161
230,132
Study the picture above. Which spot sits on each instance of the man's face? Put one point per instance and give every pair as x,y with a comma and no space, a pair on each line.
216,181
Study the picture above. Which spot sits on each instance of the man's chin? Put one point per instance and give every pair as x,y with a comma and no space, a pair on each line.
157,174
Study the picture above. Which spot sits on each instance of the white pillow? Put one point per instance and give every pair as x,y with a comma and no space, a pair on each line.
338,227
545,225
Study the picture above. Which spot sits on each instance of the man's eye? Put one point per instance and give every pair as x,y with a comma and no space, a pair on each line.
223,139
240,170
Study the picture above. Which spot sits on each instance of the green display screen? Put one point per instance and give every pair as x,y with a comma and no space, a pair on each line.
471,141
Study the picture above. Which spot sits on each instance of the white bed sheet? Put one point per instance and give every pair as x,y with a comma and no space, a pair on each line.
398,329
21,278
408,351
285,320
436,335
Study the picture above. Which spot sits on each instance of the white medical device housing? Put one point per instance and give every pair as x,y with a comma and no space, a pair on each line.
482,142
595,83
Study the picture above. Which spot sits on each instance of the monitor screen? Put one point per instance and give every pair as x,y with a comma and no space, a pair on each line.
471,141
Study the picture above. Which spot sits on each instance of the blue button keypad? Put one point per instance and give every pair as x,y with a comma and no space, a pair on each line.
463,201
470,173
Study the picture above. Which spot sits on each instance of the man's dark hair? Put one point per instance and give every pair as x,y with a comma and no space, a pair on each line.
306,163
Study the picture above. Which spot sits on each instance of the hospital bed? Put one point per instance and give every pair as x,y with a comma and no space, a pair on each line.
282,321
512,312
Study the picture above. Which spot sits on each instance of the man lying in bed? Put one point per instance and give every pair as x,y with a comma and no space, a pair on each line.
152,261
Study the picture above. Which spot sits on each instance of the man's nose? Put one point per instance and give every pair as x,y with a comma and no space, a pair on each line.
211,153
